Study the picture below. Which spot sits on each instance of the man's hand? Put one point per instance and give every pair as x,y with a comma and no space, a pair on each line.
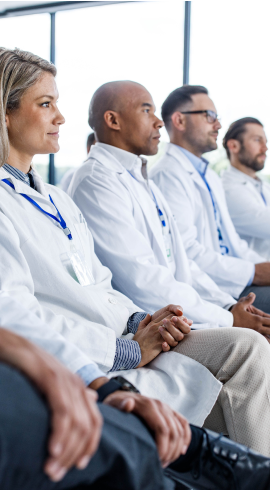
262,274
247,316
172,431
75,419
159,335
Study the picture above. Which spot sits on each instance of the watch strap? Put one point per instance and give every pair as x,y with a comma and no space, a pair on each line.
108,388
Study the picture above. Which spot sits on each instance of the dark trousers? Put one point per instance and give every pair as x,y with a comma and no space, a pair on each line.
126,457
262,300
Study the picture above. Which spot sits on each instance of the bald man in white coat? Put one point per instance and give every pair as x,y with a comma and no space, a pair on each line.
136,237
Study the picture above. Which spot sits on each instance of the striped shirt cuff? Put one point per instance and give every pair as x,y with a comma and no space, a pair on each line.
127,356
134,320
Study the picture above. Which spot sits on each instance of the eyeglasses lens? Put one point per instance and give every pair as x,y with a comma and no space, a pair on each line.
211,117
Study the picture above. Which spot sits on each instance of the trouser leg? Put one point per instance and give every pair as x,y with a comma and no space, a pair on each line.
126,457
239,358
262,300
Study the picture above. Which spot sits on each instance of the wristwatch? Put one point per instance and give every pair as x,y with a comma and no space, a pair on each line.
115,384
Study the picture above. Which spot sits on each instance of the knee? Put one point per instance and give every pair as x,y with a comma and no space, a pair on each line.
250,339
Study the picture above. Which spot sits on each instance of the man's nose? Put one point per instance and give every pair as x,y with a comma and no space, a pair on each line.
217,125
159,123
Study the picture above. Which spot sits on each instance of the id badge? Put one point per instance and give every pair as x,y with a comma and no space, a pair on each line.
82,271
168,246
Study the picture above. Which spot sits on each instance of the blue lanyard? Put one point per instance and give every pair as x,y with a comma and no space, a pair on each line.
160,213
59,220
264,200
223,248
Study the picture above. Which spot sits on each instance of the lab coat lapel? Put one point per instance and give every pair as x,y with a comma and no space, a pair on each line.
41,197
108,160
149,211
207,210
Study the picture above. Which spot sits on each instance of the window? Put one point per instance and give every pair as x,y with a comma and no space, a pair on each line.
137,41
229,56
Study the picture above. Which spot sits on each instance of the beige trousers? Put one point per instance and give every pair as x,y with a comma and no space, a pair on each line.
240,359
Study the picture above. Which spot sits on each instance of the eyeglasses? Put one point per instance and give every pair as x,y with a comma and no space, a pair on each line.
211,116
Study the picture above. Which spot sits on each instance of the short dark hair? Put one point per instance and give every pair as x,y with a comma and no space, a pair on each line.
178,99
236,131
90,140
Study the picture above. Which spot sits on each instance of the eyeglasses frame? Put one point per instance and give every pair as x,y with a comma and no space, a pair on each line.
207,111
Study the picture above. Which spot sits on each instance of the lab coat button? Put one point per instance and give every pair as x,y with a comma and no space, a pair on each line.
112,301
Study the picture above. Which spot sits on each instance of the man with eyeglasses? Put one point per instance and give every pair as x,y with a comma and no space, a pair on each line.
196,197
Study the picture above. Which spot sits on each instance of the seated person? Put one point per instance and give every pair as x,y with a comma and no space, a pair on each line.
247,196
53,428
48,264
196,197
67,178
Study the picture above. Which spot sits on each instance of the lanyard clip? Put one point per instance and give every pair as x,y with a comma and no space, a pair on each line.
67,232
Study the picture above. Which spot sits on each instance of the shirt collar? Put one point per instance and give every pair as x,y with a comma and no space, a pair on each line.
18,174
127,159
246,178
200,164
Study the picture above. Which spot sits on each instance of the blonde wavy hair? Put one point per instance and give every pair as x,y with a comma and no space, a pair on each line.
19,70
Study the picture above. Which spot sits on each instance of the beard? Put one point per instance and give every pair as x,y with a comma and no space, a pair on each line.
251,162
200,143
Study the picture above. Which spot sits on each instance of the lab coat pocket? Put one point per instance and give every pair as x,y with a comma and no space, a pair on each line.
81,239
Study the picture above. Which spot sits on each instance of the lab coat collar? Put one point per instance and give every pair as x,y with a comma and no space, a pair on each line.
22,188
176,152
113,157
244,178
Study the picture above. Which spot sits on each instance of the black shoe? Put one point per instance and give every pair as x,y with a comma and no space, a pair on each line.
225,465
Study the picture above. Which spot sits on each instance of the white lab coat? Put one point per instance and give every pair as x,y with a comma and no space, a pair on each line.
35,269
249,213
192,208
16,318
127,232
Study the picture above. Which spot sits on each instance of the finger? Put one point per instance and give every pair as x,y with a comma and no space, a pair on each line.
181,324
60,425
176,435
96,423
173,330
145,321
187,431
247,300
187,320
264,330
167,336
176,309
165,347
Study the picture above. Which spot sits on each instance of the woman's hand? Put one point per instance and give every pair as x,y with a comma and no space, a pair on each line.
75,419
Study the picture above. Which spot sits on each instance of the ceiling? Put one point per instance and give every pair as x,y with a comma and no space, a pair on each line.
11,5
22,8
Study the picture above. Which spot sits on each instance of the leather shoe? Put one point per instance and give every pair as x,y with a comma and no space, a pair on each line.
224,465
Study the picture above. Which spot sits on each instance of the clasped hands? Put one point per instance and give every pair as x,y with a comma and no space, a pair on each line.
161,331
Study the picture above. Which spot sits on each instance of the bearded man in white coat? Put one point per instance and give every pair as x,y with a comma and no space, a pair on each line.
136,237
196,198
248,196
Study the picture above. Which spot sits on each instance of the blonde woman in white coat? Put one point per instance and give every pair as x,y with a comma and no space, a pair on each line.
48,263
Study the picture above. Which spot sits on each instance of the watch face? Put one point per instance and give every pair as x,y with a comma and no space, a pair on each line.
125,384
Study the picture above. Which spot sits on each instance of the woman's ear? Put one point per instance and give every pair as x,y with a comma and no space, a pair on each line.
7,120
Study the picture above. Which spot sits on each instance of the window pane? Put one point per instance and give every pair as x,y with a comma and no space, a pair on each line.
229,56
30,33
135,41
